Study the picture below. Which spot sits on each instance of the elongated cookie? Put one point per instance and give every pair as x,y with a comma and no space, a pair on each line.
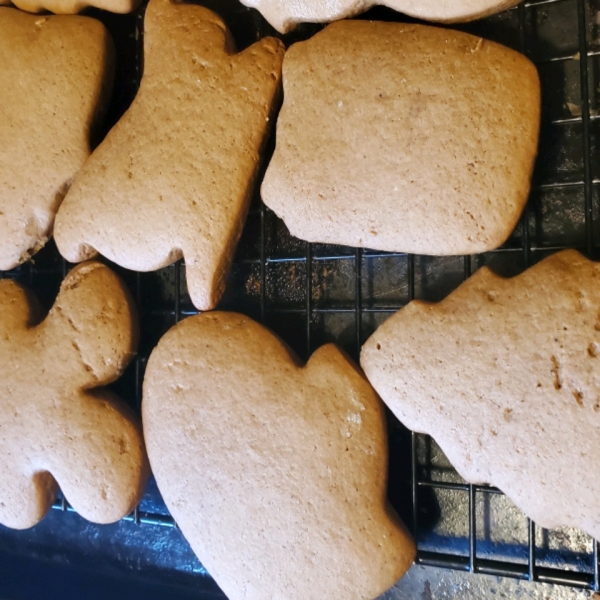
57,423
430,154
503,373
286,14
174,177
55,78
71,7
276,473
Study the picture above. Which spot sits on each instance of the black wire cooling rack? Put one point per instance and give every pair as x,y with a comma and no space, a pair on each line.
310,294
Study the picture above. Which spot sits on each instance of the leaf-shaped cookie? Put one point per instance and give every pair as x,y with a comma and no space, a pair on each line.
286,14
57,424
55,77
504,374
276,473
174,177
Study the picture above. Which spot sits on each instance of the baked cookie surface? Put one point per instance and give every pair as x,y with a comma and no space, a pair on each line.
284,15
71,7
175,175
55,79
57,423
503,374
276,473
404,138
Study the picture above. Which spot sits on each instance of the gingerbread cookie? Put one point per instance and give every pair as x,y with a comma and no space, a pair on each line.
503,373
175,175
276,473
58,425
71,7
431,154
55,78
284,15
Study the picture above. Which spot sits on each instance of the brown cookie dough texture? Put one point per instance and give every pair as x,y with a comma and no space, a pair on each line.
276,473
404,138
174,177
284,15
504,374
55,78
71,7
57,424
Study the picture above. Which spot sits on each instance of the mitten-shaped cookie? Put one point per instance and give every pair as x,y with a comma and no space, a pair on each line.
175,175
70,7
286,14
276,473
430,153
55,78
504,374
57,424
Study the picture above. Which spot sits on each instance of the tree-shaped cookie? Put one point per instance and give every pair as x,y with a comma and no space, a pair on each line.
286,14
276,473
55,78
57,424
174,177
404,138
504,374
